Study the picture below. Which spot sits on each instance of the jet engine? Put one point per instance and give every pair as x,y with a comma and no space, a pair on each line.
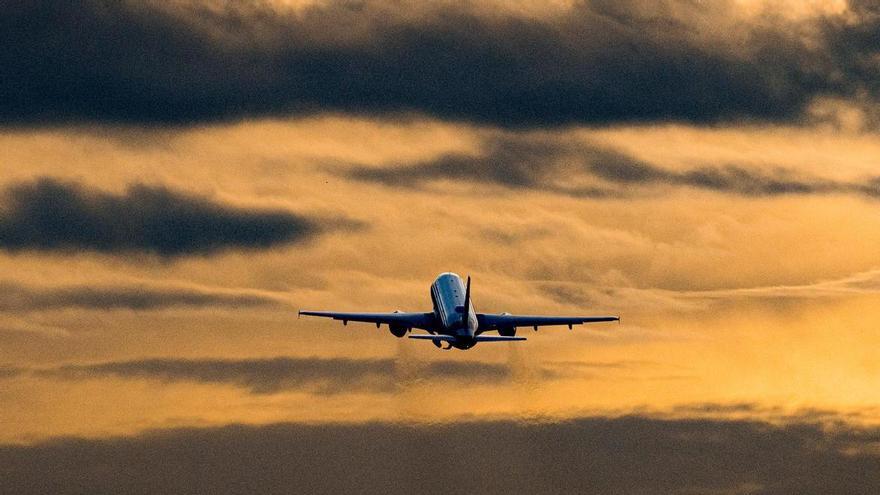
398,330
506,331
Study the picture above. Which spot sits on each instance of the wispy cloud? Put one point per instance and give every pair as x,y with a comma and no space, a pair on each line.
10,324
20,297
566,166
272,375
862,283
579,294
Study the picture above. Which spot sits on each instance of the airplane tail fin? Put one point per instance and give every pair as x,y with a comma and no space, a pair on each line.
467,303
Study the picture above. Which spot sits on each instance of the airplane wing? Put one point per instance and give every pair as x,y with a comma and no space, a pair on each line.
425,321
506,320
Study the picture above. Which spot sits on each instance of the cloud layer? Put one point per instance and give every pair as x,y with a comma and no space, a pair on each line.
581,169
628,455
262,376
596,62
19,297
48,215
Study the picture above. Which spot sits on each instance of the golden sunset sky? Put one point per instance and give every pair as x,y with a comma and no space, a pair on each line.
179,178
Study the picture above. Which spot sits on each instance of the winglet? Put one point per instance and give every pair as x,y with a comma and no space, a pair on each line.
467,303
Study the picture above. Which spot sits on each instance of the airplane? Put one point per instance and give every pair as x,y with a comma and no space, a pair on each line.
454,321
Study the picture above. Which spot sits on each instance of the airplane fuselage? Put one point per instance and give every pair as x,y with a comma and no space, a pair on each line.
448,294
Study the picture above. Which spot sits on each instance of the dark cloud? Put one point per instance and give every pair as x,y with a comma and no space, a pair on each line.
579,169
567,294
19,297
599,62
516,162
729,178
627,455
271,375
48,215
10,371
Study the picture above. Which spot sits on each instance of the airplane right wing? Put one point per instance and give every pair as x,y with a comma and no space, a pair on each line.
506,320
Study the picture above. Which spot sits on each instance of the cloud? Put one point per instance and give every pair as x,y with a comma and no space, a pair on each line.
272,375
865,283
19,297
10,371
514,161
862,283
730,179
596,62
49,215
626,455
521,161
25,327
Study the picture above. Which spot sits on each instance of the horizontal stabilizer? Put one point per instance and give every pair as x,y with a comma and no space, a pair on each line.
445,338
479,338
489,322
496,338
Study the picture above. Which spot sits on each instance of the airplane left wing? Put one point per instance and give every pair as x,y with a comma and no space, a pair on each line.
424,321
505,320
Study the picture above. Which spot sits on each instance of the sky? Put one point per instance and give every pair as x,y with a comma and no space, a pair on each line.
178,178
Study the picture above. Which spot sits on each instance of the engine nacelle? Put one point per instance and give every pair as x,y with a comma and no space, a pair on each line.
398,330
506,331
